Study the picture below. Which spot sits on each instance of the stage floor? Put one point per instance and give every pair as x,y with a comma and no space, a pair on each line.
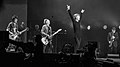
117,60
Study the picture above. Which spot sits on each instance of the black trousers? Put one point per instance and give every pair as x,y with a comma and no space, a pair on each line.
48,48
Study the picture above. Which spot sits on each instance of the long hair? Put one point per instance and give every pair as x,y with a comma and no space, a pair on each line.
113,28
14,17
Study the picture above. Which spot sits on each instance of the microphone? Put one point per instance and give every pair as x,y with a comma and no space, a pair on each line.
65,30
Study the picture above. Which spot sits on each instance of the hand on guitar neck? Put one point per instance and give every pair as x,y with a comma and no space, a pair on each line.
50,36
26,29
16,35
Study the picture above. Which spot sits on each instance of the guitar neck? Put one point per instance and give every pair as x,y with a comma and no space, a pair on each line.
55,33
23,31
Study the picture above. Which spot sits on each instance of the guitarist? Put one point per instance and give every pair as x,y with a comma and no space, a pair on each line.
112,39
22,36
13,27
13,32
46,31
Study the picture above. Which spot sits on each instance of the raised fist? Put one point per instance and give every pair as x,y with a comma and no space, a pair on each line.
68,7
82,11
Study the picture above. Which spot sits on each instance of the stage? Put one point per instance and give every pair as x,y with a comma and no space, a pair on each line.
117,60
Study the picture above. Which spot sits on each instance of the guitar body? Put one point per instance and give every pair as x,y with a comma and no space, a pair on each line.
16,35
44,40
112,40
13,36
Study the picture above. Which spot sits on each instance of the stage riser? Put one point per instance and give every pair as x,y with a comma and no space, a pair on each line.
59,58
113,55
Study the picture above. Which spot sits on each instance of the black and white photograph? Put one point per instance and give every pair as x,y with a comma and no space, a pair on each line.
58,33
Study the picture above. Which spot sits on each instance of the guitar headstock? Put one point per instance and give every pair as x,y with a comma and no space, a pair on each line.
59,29
27,29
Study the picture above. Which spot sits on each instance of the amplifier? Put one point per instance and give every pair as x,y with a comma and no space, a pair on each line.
4,36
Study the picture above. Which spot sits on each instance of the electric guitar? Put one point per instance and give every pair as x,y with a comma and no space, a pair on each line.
16,35
47,39
112,40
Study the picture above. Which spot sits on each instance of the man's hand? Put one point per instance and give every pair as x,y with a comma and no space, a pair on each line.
82,11
109,41
50,37
68,7
7,29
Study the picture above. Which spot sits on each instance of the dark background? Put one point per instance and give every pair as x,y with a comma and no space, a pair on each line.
8,8
98,13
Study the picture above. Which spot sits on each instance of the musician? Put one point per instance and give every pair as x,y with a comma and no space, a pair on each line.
76,19
22,36
14,32
113,40
13,29
37,30
13,26
46,31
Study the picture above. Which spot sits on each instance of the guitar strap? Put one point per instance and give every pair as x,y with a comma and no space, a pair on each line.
49,30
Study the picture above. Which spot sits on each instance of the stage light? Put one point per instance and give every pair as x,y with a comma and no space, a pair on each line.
88,27
105,27
119,27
